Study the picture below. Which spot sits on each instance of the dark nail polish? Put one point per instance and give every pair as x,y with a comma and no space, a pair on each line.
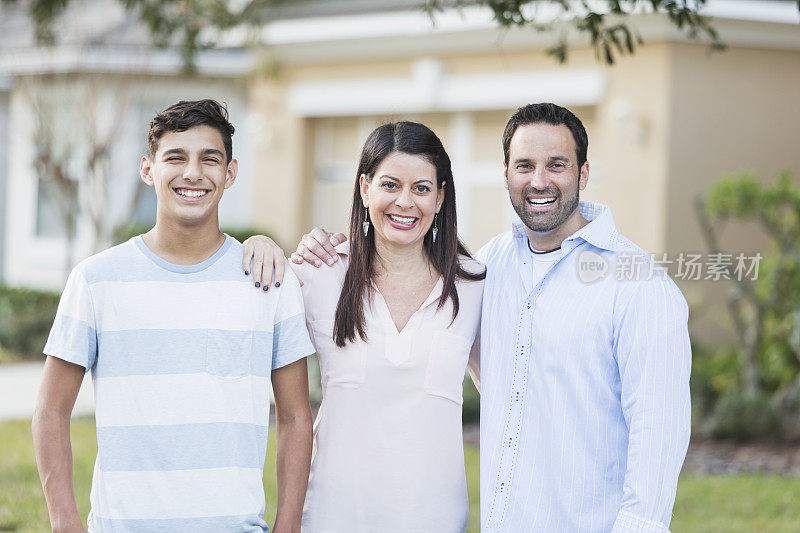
246,273
258,283
266,288
277,283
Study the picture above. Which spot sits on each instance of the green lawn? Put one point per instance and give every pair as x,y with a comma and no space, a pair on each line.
746,503
733,504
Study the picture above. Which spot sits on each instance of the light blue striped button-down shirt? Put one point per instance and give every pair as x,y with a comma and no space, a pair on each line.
585,412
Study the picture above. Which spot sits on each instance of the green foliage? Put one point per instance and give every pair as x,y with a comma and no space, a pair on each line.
195,25
182,21
473,468
125,232
45,13
242,234
603,22
170,22
735,197
765,366
471,409
25,319
6,356
745,416
779,353
775,206
714,374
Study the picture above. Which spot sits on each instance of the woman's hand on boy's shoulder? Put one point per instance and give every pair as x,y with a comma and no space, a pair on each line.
317,247
265,261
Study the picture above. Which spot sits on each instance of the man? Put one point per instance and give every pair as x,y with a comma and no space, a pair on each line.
585,413
182,354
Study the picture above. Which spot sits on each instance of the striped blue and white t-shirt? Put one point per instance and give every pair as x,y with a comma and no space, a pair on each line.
181,358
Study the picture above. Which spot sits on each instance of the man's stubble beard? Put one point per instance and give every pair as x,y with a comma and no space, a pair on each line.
545,223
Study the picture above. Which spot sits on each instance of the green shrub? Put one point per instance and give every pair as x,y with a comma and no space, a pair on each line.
765,309
787,400
5,358
745,417
242,234
26,316
714,374
125,232
471,410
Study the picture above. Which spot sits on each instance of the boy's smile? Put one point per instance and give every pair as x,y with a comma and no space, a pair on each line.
191,194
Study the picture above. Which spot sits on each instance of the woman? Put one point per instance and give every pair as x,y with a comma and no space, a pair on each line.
393,322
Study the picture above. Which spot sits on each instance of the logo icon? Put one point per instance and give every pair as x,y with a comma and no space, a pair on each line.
591,266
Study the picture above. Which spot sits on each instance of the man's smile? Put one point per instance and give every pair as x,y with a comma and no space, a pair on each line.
541,203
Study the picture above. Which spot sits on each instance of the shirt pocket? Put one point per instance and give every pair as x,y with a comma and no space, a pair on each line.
340,367
447,364
229,353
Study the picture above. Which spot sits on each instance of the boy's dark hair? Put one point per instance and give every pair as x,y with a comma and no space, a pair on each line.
188,114
548,114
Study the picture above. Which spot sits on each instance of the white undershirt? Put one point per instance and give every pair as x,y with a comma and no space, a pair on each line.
543,262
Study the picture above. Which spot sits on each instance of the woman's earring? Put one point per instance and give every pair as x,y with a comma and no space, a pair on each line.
365,224
435,229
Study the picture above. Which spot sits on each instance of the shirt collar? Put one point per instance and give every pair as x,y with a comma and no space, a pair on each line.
600,232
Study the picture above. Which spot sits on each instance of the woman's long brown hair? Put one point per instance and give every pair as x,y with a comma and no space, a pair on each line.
416,139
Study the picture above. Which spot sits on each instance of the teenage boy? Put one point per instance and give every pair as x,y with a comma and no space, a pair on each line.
182,353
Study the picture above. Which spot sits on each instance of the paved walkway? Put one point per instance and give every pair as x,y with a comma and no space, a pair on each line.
19,385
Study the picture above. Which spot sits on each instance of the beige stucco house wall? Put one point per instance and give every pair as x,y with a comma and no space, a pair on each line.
730,112
663,125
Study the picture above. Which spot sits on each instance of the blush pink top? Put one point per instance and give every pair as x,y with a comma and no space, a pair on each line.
388,450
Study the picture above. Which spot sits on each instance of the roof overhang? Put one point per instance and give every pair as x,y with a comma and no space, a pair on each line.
121,60
387,35
431,89
403,34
